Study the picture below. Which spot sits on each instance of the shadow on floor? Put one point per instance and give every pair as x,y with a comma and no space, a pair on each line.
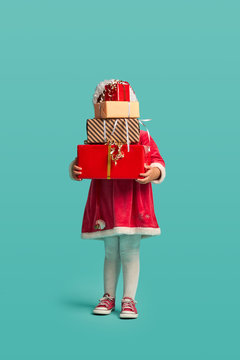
78,304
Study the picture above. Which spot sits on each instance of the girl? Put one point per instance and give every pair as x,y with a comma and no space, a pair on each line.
121,213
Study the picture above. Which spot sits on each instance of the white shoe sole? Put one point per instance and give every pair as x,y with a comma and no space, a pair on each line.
128,315
102,311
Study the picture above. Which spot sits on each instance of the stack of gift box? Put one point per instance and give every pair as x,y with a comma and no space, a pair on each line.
111,150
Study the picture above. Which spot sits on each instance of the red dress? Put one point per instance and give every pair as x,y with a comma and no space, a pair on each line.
123,206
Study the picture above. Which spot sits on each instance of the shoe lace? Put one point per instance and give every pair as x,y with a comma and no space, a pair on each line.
106,299
128,303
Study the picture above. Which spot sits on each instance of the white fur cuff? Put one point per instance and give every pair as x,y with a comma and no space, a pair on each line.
163,172
70,170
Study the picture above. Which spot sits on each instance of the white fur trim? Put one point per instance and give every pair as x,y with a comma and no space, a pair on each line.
163,172
99,89
101,86
132,95
70,170
144,231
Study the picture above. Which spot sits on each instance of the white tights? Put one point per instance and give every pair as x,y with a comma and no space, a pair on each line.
123,249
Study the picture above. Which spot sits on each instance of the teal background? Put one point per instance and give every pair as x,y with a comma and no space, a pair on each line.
182,59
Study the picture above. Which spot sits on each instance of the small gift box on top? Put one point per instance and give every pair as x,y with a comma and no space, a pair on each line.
117,91
115,99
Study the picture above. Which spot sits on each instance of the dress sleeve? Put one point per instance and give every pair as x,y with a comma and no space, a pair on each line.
156,159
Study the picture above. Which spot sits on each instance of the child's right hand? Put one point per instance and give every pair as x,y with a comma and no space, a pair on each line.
76,170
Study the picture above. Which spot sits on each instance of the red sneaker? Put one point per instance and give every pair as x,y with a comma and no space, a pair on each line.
105,306
129,310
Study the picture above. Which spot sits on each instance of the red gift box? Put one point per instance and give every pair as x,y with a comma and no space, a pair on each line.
117,91
101,161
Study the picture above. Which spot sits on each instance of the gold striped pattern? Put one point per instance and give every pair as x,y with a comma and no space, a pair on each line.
95,130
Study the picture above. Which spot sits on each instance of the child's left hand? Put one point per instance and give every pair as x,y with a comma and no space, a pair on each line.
152,173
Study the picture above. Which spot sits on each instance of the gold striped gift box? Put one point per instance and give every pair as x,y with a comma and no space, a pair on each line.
104,130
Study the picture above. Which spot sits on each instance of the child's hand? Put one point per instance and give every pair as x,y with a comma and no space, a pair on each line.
76,170
152,173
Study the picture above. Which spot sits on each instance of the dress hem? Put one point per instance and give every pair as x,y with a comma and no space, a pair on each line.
144,231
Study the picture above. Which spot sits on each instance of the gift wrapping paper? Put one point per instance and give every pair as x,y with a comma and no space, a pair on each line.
102,131
101,162
116,109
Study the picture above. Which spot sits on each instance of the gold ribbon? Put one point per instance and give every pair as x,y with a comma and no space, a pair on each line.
112,157
119,154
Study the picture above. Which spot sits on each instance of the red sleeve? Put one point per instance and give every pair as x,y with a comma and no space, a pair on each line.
155,154
156,159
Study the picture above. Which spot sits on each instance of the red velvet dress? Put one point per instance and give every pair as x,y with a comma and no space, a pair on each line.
123,206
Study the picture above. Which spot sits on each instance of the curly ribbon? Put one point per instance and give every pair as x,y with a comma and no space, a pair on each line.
126,124
119,155
112,157
115,124
127,130
142,122
149,139
114,127
115,158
